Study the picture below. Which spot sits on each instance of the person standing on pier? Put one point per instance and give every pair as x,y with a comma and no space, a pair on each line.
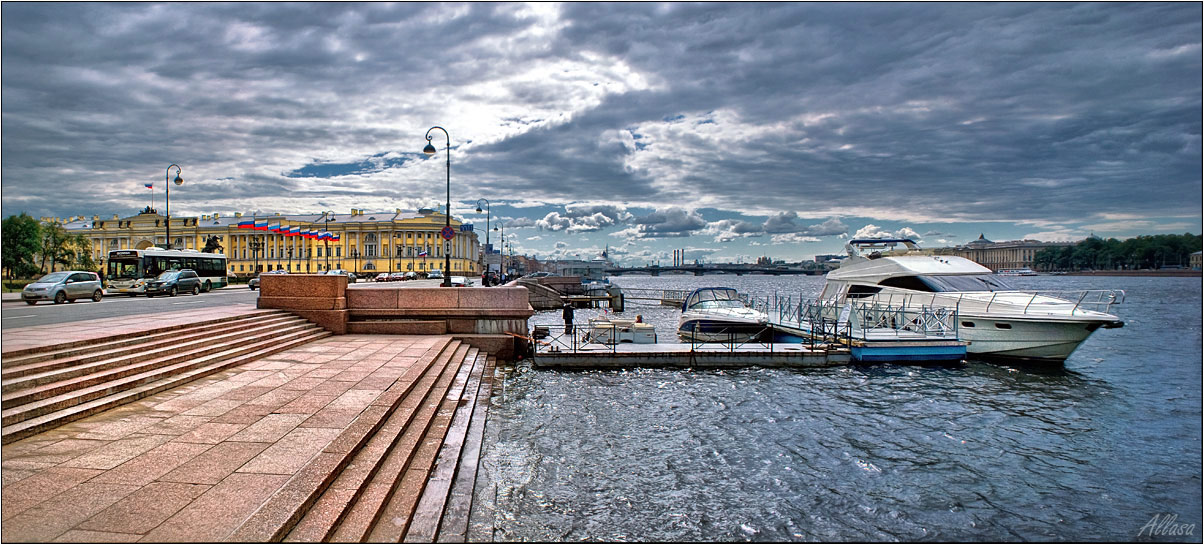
568,319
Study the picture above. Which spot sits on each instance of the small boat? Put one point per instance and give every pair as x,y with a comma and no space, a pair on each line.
618,330
718,315
997,320
1023,271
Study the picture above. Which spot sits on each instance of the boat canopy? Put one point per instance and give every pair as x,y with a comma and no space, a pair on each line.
706,295
874,270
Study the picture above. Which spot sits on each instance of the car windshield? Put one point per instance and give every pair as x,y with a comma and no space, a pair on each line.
53,277
168,275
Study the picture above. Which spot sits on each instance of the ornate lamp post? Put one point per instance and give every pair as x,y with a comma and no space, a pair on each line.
326,229
502,263
429,150
355,255
256,245
167,188
487,247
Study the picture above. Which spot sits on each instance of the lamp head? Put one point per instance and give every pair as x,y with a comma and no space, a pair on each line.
478,209
178,180
429,150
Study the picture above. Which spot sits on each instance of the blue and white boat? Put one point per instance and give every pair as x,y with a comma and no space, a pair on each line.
718,315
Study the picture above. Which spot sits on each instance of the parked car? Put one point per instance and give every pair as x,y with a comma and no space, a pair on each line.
460,282
350,275
397,277
435,274
382,277
173,282
411,275
254,282
63,286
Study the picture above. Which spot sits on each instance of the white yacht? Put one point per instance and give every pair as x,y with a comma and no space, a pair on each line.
997,320
718,315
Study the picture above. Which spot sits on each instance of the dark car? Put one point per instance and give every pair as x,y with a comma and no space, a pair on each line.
254,282
397,277
63,286
173,282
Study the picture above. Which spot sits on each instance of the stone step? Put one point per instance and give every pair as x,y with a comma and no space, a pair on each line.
57,359
138,356
398,512
93,389
360,516
334,507
213,364
302,505
14,355
428,515
453,528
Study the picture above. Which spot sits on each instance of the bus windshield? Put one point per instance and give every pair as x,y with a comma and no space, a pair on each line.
124,268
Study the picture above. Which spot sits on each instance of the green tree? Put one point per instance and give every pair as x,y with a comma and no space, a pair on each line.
82,249
56,247
22,240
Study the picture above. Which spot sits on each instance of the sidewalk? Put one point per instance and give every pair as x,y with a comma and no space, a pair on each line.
191,463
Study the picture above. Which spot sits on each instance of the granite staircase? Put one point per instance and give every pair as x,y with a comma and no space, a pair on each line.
50,386
404,470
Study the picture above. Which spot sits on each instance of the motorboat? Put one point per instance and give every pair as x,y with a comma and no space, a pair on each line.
611,330
718,315
996,319
1023,271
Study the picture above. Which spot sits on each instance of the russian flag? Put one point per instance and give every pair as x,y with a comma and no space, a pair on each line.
275,227
149,186
261,225
246,224
323,235
334,237
422,253
294,231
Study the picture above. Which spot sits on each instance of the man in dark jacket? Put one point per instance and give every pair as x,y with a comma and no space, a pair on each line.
568,319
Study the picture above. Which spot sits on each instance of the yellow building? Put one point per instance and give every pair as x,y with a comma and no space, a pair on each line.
368,242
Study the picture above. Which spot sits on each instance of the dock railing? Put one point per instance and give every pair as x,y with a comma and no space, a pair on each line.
832,322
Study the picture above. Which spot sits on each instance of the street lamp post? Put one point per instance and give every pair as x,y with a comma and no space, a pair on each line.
326,230
256,245
290,260
502,259
487,247
167,188
355,255
429,150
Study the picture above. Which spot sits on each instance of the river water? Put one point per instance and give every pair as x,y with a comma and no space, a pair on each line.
1089,451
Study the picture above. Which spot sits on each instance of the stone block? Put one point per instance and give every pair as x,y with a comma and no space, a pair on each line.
302,285
456,325
399,327
426,298
510,297
302,303
382,297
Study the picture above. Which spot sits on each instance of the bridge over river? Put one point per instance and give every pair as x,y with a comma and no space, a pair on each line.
699,270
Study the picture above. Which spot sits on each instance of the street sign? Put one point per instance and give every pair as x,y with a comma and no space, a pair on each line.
448,233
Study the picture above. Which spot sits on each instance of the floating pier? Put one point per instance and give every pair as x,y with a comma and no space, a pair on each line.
698,356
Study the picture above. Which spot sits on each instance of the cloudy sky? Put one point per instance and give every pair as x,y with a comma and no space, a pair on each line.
729,130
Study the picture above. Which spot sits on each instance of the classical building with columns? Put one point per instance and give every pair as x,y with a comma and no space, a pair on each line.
1012,254
368,242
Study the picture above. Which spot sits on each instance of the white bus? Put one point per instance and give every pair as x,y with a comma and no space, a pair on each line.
130,270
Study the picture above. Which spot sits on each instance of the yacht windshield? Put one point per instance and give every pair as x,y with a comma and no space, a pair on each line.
961,282
728,303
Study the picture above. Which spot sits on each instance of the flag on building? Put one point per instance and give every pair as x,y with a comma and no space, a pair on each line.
261,225
422,253
274,227
294,231
246,224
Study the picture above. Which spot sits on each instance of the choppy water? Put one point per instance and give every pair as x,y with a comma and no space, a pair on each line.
976,452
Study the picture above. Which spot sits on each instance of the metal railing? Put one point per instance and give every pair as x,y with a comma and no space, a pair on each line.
1022,302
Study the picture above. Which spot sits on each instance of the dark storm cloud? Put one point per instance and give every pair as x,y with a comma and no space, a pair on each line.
1022,112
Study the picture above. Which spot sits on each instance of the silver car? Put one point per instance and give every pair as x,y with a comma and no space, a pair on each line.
63,286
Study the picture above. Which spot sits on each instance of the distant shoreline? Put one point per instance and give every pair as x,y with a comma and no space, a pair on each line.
1174,272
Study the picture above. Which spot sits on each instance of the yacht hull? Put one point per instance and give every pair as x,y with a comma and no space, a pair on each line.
713,330
1023,339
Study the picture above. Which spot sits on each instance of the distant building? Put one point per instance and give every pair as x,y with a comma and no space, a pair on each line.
1012,254
368,242
588,270
1194,261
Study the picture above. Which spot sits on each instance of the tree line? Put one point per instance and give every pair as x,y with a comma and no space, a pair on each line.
29,248
1141,252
